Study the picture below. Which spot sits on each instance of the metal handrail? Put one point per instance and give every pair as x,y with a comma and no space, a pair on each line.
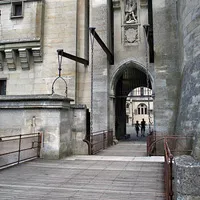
14,138
153,139
168,171
99,140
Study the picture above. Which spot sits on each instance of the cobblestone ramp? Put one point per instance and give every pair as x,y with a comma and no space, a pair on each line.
103,177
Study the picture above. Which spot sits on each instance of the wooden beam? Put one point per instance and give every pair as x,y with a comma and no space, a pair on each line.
72,57
103,46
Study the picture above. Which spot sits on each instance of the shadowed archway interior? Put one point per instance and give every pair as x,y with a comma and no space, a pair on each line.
129,79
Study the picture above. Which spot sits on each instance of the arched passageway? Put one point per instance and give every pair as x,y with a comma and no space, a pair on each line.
129,76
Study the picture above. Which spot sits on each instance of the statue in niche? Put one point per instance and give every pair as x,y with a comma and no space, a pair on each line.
131,11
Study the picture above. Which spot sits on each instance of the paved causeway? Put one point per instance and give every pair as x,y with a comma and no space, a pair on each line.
115,174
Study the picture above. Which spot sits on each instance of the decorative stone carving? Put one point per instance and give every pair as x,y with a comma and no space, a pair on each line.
130,34
130,13
116,4
37,54
130,28
10,59
24,58
1,61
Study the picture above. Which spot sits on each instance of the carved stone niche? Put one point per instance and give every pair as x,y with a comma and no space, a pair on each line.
131,34
37,54
130,27
1,61
131,12
24,58
10,56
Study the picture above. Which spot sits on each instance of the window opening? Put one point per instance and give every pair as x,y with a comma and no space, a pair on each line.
2,87
17,9
142,109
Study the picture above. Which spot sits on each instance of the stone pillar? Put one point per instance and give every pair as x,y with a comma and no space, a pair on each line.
167,74
100,68
186,174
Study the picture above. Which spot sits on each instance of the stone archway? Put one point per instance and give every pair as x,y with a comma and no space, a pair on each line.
128,76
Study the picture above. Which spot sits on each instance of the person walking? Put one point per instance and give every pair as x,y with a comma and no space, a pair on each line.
143,124
137,125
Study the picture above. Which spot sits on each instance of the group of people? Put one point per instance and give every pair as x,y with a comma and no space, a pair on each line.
142,126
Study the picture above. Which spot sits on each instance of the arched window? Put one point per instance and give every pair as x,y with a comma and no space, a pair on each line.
127,105
142,109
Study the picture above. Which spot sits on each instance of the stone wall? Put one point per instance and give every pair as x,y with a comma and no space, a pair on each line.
28,49
189,45
167,73
99,112
63,127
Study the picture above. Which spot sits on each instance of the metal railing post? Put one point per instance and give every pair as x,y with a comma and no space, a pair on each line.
39,144
171,178
20,136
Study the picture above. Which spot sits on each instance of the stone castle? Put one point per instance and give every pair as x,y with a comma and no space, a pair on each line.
147,43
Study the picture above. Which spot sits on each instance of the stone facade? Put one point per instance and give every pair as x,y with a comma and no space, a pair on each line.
31,32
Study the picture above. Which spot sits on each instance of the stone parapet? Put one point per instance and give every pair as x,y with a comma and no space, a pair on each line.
187,182
34,101
49,114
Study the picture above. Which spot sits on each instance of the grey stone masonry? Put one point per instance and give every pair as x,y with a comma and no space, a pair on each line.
99,114
189,37
167,75
49,114
187,178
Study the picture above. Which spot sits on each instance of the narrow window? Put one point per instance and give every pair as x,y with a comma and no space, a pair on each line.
2,87
17,9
